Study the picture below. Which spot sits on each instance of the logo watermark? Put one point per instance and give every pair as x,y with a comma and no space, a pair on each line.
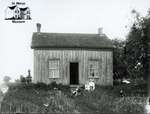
17,12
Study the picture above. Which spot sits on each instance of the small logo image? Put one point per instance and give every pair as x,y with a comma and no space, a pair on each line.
17,11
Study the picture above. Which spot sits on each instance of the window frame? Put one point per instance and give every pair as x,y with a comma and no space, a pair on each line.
96,67
53,77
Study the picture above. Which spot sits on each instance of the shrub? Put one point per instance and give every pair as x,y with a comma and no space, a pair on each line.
22,79
59,86
117,82
64,88
52,85
41,85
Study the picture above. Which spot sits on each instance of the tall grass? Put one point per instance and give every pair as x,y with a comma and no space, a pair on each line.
45,99
38,99
104,100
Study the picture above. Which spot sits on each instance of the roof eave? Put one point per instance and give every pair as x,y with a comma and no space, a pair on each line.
47,47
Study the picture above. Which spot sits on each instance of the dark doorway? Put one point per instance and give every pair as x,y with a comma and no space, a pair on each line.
74,73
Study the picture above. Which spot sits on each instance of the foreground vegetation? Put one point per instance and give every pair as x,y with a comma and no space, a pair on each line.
41,98
130,57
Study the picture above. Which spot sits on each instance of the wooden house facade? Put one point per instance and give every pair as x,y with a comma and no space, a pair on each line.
72,58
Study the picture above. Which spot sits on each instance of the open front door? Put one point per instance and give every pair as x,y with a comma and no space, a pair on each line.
74,73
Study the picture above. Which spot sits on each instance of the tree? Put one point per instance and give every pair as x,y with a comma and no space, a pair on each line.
119,63
6,79
22,79
137,46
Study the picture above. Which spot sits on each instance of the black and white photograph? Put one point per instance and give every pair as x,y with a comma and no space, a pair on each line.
74,56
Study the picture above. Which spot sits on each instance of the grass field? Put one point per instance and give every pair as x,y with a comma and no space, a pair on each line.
43,99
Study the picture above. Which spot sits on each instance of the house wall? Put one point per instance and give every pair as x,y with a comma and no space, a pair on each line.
105,57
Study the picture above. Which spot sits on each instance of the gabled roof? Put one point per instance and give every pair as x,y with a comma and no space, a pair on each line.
70,40
24,9
12,7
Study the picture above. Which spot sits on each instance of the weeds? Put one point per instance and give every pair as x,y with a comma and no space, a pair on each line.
101,100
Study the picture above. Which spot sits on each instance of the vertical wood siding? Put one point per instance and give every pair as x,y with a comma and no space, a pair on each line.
105,59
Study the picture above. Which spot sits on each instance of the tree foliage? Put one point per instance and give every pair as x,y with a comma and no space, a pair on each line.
137,46
131,55
119,63
6,79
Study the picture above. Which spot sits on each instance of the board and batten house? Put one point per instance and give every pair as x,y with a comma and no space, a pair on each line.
72,58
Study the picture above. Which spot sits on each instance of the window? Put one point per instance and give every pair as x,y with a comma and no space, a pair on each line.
16,11
28,12
54,68
27,17
16,16
93,68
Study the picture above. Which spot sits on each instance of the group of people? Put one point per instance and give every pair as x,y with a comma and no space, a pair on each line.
89,86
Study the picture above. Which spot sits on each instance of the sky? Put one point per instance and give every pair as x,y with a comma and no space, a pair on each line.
61,16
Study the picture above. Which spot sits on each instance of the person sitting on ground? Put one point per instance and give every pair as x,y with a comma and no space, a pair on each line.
77,92
90,86
121,93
